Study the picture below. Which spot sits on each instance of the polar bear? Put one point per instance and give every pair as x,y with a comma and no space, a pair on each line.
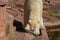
35,21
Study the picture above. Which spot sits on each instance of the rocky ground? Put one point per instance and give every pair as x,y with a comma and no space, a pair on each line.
51,11
51,15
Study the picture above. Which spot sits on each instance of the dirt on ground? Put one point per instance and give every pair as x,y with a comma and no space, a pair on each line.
51,17
51,11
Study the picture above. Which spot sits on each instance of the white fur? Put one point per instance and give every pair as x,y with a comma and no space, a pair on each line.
35,18
27,27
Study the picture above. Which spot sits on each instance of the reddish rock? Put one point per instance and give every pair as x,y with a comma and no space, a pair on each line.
2,19
3,23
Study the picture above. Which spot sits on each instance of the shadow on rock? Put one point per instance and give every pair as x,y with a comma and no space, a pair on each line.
19,26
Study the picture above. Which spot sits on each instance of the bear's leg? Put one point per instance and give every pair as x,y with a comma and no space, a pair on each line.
37,30
42,25
27,28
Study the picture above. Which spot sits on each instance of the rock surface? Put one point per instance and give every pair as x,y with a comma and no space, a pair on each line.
16,8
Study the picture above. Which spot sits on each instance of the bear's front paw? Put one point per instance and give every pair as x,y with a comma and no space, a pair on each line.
27,28
36,32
